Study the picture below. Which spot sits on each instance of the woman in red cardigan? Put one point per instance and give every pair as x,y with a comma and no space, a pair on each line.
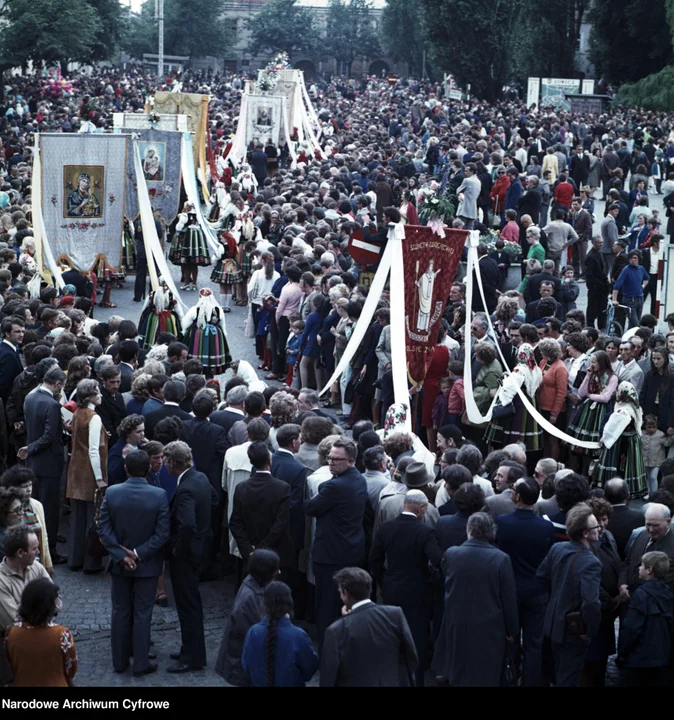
552,392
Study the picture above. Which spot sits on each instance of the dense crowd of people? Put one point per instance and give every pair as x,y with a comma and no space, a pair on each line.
405,538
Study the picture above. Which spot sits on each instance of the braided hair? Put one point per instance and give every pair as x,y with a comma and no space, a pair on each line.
278,601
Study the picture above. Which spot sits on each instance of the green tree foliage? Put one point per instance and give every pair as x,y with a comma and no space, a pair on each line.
351,32
655,92
474,43
113,27
547,38
49,31
283,26
629,38
402,36
142,36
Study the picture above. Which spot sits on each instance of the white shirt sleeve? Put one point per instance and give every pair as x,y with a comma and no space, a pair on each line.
95,426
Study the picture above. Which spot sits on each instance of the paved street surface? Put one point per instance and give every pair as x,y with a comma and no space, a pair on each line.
86,598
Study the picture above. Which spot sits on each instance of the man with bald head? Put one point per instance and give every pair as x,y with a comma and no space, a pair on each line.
658,536
623,519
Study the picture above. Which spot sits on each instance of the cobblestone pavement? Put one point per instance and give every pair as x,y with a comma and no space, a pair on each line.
86,610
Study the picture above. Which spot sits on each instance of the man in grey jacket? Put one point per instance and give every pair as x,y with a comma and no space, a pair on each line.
609,235
468,193
560,235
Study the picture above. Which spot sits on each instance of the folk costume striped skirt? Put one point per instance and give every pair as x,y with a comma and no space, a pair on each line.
226,272
624,459
174,250
152,324
193,248
209,346
520,426
588,425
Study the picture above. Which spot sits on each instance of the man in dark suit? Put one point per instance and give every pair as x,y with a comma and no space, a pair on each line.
234,410
128,361
112,408
544,307
530,203
44,450
507,474
261,511
258,164
658,536
78,281
174,394
186,550
308,400
489,274
13,330
401,553
623,520
371,645
342,509
133,526
533,289
527,538
208,443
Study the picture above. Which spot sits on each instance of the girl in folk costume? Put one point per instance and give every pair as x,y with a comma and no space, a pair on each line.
106,277
247,235
511,421
231,211
598,388
226,271
205,334
128,245
192,248
247,181
220,200
621,451
161,313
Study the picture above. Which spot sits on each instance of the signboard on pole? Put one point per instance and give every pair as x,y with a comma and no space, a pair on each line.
587,87
554,89
533,91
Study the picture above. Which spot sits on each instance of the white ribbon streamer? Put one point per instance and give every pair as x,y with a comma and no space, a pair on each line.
150,238
472,410
286,121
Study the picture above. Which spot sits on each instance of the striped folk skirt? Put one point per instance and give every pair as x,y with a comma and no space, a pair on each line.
521,426
152,324
624,459
226,272
588,425
209,346
193,247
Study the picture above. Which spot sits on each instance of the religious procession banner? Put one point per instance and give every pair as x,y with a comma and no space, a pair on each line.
264,118
195,107
142,121
430,259
160,154
83,182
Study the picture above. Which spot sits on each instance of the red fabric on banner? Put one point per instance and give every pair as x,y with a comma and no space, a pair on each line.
430,264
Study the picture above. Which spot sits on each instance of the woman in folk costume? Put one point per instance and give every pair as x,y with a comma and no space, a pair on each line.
247,181
247,234
511,422
205,335
107,277
161,313
226,271
192,247
621,451
220,200
597,390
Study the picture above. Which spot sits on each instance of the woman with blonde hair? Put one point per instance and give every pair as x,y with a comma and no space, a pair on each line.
87,473
26,258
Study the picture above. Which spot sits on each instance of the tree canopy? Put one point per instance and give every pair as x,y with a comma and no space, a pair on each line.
283,26
401,33
351,32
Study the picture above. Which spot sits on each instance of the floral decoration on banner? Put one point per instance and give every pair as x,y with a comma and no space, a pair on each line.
271,74
431,202
54,200
88,108
512,248
154,118
111,198
77,225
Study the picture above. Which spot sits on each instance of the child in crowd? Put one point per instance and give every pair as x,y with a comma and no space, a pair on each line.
653,442
439,412
293,349
502,259
456,403
646,632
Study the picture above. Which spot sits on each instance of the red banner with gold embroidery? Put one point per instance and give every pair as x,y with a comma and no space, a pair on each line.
430,262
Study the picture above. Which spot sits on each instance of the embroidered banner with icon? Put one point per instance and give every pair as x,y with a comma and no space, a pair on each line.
160,155
83,192
430,262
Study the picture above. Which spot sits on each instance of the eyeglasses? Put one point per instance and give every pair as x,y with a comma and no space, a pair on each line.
17,511
594,527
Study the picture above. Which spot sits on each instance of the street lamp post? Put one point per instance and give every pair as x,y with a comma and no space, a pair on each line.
159,17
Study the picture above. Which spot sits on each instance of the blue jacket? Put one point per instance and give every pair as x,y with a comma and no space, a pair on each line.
571,594
135,515
630,281
513,194
526,538
646,632
295,660
10,368
285,467
308,345
340,508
